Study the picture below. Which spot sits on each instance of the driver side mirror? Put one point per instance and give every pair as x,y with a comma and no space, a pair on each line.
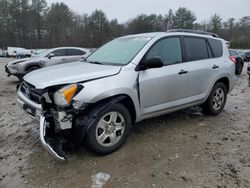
151,63
51,55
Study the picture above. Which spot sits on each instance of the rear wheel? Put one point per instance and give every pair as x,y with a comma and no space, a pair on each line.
110,130
216,100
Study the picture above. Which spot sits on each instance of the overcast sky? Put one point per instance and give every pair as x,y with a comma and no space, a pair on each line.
123,10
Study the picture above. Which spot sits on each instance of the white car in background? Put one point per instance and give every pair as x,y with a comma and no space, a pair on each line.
19,52
45,58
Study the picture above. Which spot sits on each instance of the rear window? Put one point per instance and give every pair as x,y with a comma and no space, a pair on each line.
216,46
196,48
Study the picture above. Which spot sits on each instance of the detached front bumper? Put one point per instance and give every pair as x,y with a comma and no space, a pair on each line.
43,125
35,111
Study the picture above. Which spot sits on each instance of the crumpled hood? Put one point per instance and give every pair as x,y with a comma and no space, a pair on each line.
69,73
25,60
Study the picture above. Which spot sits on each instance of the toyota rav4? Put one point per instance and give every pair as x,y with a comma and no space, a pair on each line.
123,82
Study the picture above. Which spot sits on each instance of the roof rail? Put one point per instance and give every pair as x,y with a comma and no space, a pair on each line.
193,31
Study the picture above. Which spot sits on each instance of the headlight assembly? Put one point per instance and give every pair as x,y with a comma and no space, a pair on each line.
63,97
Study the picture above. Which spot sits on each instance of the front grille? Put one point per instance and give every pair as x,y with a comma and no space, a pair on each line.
31,93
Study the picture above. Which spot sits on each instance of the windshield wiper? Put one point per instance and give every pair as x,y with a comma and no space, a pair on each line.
95,62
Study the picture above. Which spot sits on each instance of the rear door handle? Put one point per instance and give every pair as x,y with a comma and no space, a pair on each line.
64,59
215,67
183,72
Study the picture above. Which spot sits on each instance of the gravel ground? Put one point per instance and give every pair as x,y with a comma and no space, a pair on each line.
182,149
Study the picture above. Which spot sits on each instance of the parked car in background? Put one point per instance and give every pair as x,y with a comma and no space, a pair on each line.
45,58
247,54
18,52
127,80
239,61
242,54
37,52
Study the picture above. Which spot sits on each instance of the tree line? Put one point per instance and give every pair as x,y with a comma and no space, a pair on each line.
34,24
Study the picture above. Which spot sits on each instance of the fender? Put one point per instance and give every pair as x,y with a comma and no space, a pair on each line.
83,121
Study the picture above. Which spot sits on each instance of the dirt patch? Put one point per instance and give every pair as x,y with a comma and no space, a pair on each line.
182,149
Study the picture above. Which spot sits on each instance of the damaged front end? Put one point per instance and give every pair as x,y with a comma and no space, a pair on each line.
63,121
55,115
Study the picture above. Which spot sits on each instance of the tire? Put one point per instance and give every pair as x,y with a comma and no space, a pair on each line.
239,68
101,134
216,100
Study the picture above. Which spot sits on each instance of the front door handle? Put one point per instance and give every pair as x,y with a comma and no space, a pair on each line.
215,67
183,72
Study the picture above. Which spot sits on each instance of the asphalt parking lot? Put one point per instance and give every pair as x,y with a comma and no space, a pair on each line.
182,149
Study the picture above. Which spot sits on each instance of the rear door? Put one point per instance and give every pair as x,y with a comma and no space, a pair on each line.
203,67
165,87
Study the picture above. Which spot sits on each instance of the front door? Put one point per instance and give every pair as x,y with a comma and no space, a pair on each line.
165,87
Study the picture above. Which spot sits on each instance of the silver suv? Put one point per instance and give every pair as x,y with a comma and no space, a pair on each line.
45,58
125,81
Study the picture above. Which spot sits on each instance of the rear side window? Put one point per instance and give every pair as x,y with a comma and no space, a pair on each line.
216,46
74,52
196,48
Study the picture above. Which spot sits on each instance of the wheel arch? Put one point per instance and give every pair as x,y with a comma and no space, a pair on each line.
85,119
30,65
124,99
225,81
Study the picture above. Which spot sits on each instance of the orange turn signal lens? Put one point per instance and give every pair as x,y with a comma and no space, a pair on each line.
69,92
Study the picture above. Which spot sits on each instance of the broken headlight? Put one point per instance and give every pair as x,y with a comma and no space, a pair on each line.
63,97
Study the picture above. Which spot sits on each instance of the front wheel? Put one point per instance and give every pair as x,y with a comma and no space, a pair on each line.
110,130
216,100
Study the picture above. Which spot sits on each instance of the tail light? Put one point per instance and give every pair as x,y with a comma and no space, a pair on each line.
233,59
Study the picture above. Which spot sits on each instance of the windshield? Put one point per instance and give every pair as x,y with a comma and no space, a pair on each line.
119,51
42,53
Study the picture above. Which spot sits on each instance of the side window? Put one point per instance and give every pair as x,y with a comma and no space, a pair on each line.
74,52
216,46
196,48
60,52
169,50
